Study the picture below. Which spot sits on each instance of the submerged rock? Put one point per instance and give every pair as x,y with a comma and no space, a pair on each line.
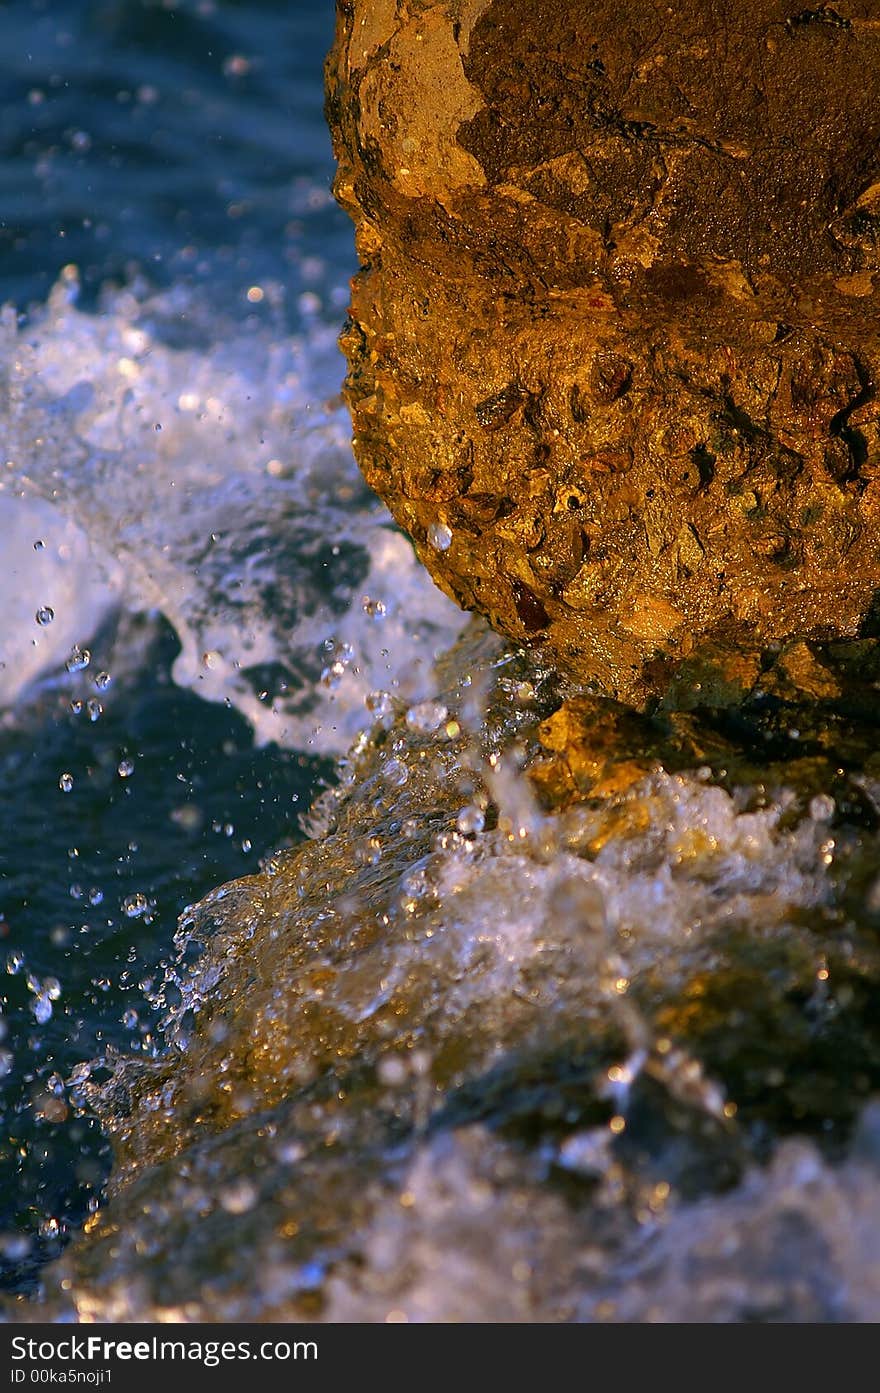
515,1035
614,344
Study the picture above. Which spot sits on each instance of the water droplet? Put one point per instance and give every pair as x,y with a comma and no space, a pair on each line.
44,615
238,65
440,536
426,716
7,1059
75,706
290,1152
416,883
79,659
42,1009
239,1197
333,673
470,821
133,906
381,706
95,895
102,681
395,773
14,962
65,783
130,1019
125,768
94,708
52,988
39,545
822,807
392,1071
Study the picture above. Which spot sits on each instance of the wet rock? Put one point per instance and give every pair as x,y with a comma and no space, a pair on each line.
614,344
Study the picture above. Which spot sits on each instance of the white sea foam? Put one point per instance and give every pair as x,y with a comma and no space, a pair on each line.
213,484
48,567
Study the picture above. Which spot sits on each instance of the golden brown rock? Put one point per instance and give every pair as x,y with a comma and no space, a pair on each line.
615,339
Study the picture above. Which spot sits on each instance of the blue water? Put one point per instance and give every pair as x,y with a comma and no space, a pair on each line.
185,139
152,145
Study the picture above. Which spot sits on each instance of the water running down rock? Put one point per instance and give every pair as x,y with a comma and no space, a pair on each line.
530,1071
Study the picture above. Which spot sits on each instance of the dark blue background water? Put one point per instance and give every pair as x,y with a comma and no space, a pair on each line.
183,141
185,136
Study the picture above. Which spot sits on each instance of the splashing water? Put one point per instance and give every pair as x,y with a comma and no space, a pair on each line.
231,551
536,1066
208,485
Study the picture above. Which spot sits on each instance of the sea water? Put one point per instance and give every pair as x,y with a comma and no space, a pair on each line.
198,592
437,1052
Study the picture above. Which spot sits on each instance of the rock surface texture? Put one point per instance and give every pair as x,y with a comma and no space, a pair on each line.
615,339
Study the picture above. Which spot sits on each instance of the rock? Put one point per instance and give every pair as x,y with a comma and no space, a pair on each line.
614,343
